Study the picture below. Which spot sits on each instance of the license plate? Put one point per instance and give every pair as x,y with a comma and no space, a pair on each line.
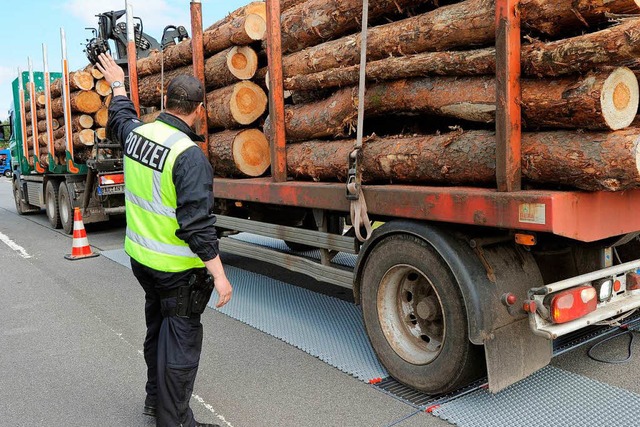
112,189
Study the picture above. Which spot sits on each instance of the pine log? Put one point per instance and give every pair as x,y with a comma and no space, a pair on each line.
101,117
150,117
81,121
84,101
554,18
315,21
101,133
96,73
606,100
616,45
103,88
288,4
221,69
239,153
461,25
40,100
238,32
107,100
78,80
239,104
589,161
42,125
257,8
84,138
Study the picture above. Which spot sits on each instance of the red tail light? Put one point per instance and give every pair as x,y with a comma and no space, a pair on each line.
116,178
573,303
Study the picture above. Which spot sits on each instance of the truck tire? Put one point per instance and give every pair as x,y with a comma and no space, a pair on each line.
22,207
65,207
7,173
52,203
415,316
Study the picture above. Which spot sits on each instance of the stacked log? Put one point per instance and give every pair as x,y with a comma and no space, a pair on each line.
88,97
234,103
433,75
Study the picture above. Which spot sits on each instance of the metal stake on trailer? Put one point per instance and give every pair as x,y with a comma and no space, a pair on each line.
197,50
23,121
34,119
508,96
47,107
132,59
276,93
66,106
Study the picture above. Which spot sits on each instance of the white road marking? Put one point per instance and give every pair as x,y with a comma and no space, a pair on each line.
210,408
13,245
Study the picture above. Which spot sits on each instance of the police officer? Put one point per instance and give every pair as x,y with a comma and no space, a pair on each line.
170,236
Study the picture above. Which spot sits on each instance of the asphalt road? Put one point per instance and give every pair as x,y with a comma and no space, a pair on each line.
71,337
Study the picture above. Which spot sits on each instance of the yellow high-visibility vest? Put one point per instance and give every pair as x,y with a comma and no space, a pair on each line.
150,194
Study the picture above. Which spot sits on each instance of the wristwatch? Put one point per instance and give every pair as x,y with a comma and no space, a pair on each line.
116,84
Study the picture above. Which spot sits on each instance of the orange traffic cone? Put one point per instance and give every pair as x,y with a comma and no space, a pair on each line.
80,247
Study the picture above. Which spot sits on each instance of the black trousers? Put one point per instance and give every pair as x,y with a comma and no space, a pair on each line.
172,348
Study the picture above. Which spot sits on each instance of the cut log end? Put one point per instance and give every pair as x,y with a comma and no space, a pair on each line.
255,26
619,98
251,152
242,62
101,133
85,121
248,102
102,116
83,80
103,88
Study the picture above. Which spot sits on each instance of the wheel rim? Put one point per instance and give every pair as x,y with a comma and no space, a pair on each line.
411,314
64,210
51,205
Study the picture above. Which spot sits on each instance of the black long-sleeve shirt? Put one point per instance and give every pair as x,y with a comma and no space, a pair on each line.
192,177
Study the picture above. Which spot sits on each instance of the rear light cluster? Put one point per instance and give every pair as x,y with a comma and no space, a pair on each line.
111,179
572,304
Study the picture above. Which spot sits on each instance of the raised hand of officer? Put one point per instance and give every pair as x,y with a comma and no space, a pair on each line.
113,73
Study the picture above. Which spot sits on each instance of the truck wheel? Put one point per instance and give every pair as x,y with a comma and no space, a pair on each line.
51,203
21,207
65,206
7,173
415,317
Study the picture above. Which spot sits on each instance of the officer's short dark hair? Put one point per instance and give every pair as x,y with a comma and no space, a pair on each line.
184,93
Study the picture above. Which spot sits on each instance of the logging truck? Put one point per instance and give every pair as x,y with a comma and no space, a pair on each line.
491,242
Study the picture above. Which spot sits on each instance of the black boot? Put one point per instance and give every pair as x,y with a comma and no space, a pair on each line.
206,425
149,407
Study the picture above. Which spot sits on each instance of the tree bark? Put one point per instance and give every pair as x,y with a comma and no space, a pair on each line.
616,45
238,32
588,161
78,80
240,104
84,101
239,153
288,4
554,18
257,8
316,21
606,100
222,69
461,25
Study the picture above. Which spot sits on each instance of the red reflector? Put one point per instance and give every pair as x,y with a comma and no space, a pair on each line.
616,286
573,303
112,179
633,281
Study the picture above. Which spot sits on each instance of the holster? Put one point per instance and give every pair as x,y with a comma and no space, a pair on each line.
193,297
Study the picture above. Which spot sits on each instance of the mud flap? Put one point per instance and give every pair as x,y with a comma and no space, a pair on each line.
513,353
